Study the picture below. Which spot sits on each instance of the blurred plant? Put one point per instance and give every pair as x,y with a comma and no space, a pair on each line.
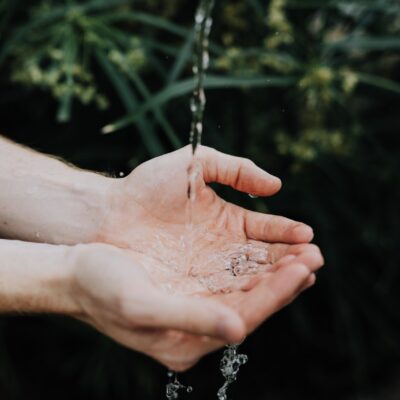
59,46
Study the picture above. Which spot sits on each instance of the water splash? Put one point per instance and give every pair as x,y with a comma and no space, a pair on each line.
174,386
229,366
202,27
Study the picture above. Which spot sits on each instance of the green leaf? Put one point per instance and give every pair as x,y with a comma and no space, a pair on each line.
128,98
367,43
146,19
184,55
378,81
51,16
186,86
71,51
371,4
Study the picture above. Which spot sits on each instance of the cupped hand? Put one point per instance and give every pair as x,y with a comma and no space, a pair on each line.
115,294
201,245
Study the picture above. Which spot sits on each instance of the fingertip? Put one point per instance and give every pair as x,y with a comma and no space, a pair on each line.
313,259
311,280
277,183
272,184
302,233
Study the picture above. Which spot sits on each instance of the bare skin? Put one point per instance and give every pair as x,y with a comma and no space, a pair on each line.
155,292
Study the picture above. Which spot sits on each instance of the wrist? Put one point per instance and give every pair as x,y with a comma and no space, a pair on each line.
92,195
36,278
44,200
111,217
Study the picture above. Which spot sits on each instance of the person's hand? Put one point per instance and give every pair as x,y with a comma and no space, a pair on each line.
113,292
209,247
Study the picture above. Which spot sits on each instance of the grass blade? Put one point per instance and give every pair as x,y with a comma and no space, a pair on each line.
366,43
186,86
130,102
147,19
71,51
378,81
183,56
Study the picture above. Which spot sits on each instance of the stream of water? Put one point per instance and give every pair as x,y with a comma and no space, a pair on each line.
231,361
202,28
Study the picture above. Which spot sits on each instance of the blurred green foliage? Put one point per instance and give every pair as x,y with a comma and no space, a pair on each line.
308,89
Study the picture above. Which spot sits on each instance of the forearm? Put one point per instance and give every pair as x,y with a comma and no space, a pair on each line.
36,278
45,200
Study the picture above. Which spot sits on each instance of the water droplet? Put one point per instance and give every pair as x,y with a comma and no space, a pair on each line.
199,127
253,196
229,366
121,174
206,60
200,15
174,386
193,106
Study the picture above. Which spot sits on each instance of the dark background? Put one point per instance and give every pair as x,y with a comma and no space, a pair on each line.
324,117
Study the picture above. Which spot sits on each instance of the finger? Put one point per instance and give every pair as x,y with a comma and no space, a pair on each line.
240,173
307,254
313,260
274,228
309,282
273,293
198,316
276,251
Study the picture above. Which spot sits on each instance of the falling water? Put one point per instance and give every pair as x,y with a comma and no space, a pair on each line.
231,361
229,366
174,386
202,27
